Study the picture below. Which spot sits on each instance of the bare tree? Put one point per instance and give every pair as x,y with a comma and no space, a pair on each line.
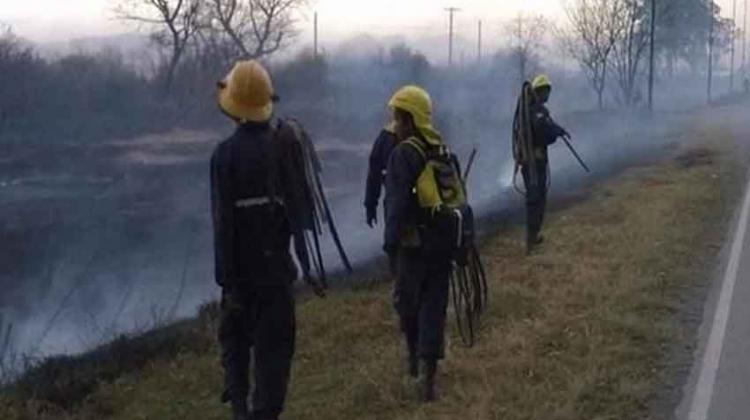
256,27
526,36
177,21
19,65
591,38
630,46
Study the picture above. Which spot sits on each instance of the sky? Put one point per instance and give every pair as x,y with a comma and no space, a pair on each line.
60,20
45,21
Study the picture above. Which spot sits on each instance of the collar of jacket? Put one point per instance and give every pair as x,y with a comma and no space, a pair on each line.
252,125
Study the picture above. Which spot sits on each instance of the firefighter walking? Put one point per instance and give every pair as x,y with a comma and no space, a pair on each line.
423,267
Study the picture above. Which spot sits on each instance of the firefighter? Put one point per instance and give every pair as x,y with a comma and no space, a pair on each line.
381,152
253,196
545,131
422,280
377,170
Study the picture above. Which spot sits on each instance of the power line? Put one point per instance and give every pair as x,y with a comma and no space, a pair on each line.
451,11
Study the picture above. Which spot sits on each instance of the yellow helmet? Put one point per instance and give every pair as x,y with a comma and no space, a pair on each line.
541,81
417,102
246,92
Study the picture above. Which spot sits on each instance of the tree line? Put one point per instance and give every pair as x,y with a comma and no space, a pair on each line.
610,39
84,96
212,32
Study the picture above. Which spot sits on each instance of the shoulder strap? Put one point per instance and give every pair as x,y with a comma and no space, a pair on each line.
270,145
417,144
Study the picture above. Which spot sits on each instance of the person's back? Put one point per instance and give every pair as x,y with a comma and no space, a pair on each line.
420,290
253,207
247,180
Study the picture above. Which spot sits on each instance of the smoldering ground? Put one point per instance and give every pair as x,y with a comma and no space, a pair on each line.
115,237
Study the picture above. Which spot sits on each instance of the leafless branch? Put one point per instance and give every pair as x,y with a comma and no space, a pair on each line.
175,23
526,33
257,28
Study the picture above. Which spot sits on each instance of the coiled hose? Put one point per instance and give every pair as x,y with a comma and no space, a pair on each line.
470,294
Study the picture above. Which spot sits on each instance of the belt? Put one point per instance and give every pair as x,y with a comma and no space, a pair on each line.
257,201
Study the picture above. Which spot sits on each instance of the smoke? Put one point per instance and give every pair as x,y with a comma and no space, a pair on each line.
119,240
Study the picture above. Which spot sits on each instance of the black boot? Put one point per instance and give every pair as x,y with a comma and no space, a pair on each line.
532,242
427,380
239,410
412,359
413,365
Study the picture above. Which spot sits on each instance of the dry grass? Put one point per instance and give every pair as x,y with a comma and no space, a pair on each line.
579,331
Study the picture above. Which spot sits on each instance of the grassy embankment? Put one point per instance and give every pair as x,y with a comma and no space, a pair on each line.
580,331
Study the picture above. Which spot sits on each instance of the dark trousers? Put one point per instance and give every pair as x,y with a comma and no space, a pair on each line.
261,320
420,297
536,197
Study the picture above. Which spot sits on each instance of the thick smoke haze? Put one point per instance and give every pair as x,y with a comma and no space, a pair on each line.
114,236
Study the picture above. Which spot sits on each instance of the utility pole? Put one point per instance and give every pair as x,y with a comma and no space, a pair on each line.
651,57
744,42
451,11
734,41
710,47
479,41
315,41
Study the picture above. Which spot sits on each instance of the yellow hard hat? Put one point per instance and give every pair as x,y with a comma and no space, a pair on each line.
541,81
417,102
247,92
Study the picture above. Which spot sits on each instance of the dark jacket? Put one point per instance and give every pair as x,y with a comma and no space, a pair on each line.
546,130
251,241
402,212
379,156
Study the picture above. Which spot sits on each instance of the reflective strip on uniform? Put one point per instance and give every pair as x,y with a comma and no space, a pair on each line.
257,201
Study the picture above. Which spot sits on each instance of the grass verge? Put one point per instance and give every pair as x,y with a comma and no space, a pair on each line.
581,330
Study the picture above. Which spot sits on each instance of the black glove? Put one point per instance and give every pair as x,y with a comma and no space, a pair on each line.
372,216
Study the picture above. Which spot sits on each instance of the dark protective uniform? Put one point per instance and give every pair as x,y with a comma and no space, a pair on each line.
545,132
420,292
251,188
381,152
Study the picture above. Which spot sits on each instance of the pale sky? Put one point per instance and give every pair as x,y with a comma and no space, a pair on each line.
60,20
63,20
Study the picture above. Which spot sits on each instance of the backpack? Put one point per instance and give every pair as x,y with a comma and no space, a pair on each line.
448,220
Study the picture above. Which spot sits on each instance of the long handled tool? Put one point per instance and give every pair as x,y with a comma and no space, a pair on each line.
575,154
332,226
472,156
468,283
322,211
